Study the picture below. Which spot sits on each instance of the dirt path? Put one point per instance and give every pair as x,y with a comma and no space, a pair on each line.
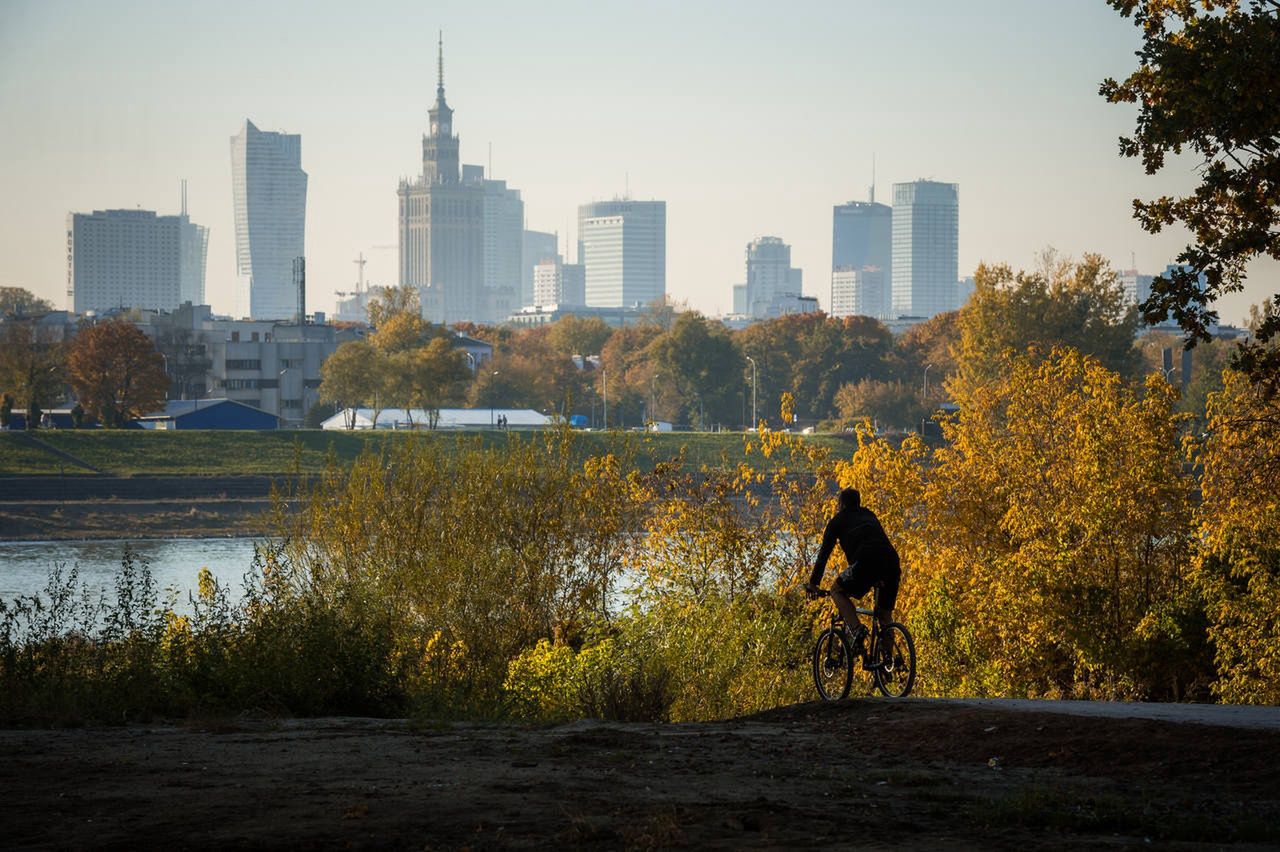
866,773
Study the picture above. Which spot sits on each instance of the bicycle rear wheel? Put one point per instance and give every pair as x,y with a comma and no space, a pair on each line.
832,665
896,675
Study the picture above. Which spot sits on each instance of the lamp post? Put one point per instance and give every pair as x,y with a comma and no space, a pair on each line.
280,393
495,372
472,359
926,380
604,378
753,391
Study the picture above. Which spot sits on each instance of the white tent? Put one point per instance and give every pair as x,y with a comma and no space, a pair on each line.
449,418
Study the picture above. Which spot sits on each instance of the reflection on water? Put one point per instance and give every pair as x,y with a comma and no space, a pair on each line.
24,566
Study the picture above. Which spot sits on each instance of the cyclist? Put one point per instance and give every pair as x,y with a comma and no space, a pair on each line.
872,562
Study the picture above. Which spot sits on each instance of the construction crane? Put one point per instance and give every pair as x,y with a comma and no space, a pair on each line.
359,291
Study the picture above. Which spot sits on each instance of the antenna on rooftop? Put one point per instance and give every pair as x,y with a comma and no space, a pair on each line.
184,196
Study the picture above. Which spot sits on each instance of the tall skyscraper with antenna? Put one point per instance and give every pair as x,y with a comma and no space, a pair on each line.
861,251
443,226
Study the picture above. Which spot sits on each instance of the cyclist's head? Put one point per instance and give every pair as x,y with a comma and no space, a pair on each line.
850,498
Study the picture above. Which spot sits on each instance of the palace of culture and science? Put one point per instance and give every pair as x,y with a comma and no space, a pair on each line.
460,234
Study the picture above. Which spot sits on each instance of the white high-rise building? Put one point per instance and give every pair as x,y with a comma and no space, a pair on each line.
926,248
269,190
558,283
622,244
134,259
1136,286
503,234
858,292
773,285
538,246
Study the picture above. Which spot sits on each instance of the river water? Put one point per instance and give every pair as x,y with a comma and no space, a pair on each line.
175,562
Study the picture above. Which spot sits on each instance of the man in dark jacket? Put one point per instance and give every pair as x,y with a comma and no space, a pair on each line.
872,562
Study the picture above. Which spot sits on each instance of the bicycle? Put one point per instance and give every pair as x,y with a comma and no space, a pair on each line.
838,648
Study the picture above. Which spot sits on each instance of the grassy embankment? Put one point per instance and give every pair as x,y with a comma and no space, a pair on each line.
208,453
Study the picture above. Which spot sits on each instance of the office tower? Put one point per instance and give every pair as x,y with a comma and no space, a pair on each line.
622,244
558,283
537,247
1137,287
442,226
926,247
862,237
858,292
773,286
134,259
269,191
503,233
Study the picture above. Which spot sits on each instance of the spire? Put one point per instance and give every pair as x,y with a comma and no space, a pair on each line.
440,66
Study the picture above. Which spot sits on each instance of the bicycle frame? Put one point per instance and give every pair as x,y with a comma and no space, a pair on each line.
873,635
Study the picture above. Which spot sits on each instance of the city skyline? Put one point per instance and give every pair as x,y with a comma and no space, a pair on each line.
1003,102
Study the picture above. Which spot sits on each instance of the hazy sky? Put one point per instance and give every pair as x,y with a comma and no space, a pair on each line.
748,118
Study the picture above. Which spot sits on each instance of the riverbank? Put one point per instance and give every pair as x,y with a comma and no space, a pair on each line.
134,519
864,773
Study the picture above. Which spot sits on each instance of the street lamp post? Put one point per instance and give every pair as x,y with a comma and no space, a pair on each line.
753,391
495,372
604,378
926,380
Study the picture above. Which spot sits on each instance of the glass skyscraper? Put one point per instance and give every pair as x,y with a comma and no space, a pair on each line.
622,244
926,247
862,239
269,190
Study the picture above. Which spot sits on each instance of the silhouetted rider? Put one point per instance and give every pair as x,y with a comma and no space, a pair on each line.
872,562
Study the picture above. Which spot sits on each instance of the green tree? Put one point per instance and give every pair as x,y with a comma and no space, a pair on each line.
695,371
812,356
1063,303
1207,82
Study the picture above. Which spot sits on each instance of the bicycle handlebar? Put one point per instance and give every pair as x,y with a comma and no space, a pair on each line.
826,593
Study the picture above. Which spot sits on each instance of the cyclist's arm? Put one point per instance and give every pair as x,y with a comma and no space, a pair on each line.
824,553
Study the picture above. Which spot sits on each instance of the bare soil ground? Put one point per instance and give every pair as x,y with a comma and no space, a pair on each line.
866,773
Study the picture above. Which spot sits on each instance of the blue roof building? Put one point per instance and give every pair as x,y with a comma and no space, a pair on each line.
209,414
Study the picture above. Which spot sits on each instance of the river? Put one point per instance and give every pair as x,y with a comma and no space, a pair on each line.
175,562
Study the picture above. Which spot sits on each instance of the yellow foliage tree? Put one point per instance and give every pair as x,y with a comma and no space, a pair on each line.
1044,542
1238,565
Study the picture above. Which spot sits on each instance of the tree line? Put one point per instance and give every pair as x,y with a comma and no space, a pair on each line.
112,370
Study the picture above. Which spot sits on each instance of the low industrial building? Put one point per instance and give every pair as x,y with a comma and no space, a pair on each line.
446,418
209,414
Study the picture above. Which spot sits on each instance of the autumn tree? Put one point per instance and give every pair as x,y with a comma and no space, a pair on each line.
390,301
1063,303
351,376
17,302
116,372
436,373
573,335
1045,543
1207,82
32,365
886,404
1238,565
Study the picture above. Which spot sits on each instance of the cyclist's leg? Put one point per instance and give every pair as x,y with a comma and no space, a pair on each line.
887,599
848,586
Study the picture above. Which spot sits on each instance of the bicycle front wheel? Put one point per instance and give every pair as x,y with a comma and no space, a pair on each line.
832,665
895,673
